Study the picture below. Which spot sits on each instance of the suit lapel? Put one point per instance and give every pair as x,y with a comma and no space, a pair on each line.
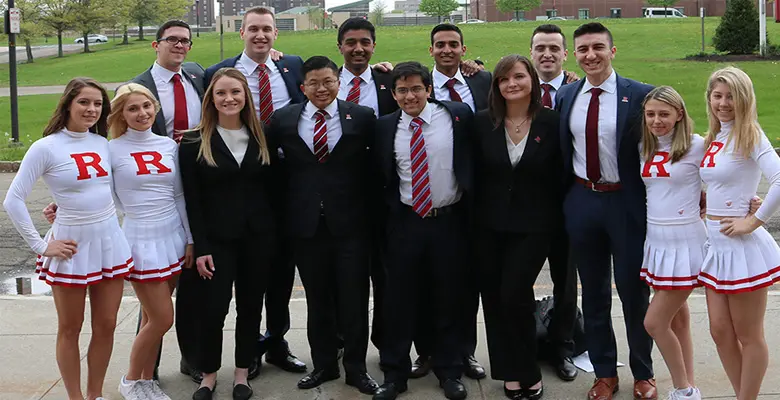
623,102
347,124
191,79
252,149
535,136
388,144
288,79
218,144
497,145
476,92
159,120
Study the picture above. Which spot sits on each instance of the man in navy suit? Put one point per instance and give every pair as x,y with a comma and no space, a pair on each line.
605,207
274,84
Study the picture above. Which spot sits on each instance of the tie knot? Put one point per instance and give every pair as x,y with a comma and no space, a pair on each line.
546,87
451,83
261,68
321,114
417,122
356,81
176,78
596,92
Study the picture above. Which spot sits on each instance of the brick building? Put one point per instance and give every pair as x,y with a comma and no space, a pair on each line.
205,15
237,7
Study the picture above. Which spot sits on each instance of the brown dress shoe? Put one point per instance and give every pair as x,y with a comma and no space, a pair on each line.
645,389
603,389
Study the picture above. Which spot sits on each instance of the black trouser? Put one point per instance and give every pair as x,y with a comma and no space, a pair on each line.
281,279
378,282
417,247
509,266
244,262
335,271
564,278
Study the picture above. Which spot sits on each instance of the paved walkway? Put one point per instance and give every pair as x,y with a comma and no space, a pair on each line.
57,89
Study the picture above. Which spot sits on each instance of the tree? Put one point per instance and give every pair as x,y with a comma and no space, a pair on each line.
30,27
378,14
90,16
662,3
316,17
145,12
506,6
738,29
438,8
57,15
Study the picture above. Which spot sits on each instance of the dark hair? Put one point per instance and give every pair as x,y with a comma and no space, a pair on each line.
59,120
549,28
497,103
479,62
411,68
170,24
356,24
259,10
593,27
445,28
318,62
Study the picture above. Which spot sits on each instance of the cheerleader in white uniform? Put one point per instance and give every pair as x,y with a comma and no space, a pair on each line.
85,248
676,236
148,189
742,259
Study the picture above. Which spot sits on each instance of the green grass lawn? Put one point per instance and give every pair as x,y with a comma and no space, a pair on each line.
650,50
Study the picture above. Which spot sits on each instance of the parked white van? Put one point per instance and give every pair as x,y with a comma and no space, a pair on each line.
660,12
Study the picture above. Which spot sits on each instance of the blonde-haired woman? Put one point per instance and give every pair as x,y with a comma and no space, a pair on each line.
228,183
676,236
148,189
85,248
742,259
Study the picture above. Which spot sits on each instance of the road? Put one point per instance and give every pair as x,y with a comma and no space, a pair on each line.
41,51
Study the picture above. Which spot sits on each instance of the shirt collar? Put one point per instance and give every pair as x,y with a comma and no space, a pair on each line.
347,75
251,66
426,115
609,86
556,82
439,79
165,74
332,109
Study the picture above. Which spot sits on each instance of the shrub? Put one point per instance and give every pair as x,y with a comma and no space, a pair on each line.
738,30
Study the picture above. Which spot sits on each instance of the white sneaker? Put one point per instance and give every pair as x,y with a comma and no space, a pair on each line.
157,392
134,390
676,395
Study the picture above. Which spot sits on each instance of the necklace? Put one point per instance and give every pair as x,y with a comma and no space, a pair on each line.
517,126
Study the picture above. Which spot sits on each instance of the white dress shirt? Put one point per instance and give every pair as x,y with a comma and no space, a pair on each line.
438,135
556,84
607,129
515,150
236,140
163,79
332,125
279,93
442,93
368,95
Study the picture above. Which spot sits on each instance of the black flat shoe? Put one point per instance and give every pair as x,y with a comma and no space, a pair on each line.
242,392
454,389
421,367
514,394
565,369
472,368
186,369
317,378
254,368
363,382
389,391
285,360
204,393
533,394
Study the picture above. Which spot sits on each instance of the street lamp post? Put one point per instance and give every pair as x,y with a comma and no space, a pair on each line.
197,17
221,30
12,75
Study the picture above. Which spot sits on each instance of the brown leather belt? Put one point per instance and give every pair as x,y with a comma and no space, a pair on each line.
598,187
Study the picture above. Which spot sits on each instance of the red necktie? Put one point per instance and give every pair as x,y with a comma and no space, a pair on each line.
180,119
320,137
592,164
546,98
266,98
421,186
354,91
454,96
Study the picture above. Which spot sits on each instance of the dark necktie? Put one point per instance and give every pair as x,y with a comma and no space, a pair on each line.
454,96
320,137
354,91
546,97
421,185
266,98
592,163
180,119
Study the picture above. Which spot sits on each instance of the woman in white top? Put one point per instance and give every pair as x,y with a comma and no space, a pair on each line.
85,248
676,236
742,259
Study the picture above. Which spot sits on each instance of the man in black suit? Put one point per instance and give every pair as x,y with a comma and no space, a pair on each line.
426,169
548,52
326,145
447,49
274,84
180,99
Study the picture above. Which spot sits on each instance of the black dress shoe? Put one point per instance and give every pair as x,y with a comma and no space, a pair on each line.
285,360
454,389
190,371
472,368
318,377
204,393
242,392
565,369
254,368
421,367
514,394
363,381
533,394
389,391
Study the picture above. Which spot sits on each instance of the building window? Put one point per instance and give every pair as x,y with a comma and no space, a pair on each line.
615,12
552,13
584,13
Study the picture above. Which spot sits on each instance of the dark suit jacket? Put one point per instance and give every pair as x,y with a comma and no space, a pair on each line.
630,95
193,72
226,202
383,81
341,187
462,160
529,196
479,84
289,66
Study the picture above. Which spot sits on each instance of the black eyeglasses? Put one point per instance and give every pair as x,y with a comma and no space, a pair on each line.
172,40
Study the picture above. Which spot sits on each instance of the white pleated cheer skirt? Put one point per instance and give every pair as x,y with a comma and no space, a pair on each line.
157,248
102,252
674,255
740,263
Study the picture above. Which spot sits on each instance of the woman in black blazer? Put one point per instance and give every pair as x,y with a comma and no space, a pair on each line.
227,178
518,208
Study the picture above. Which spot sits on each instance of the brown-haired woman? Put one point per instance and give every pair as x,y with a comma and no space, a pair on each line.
226,172
85,246
518,212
